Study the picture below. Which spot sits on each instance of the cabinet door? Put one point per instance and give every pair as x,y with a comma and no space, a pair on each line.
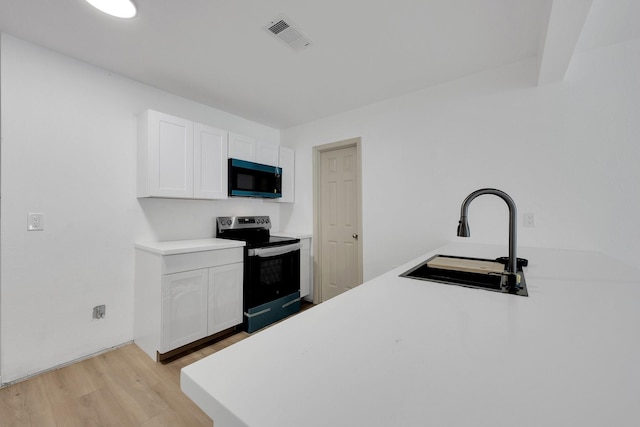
210,162
184,308
287,162
225,297
242,147
170,165
267,153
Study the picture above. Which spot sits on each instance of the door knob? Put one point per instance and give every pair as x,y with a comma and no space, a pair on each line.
354,235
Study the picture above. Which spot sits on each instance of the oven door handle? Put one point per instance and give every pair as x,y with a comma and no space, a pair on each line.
274,250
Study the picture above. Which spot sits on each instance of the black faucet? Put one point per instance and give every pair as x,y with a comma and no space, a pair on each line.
463,228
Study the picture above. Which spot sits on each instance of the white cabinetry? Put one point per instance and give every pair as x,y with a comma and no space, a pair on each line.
184,308
165,156
180,159
210,162
286,160
225,297
182,298
252,150
242,147
267,153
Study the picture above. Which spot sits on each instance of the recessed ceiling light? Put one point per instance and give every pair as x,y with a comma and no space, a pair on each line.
117,8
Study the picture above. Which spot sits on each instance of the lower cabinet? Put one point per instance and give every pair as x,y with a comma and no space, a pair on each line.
180,299
184,308
225,297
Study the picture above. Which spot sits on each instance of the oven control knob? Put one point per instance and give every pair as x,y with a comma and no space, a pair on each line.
266,220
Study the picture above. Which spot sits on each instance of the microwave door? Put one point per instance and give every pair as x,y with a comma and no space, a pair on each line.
248,179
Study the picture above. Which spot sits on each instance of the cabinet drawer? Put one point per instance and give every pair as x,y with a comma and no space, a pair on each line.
196,260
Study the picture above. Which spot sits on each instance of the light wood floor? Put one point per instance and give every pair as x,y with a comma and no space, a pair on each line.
123,387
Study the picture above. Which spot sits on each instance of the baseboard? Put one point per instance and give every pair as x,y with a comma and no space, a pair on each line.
62,365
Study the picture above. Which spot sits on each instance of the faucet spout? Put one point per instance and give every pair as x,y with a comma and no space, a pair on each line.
463,224
463,227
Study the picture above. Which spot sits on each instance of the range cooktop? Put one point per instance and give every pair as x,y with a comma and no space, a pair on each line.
251,229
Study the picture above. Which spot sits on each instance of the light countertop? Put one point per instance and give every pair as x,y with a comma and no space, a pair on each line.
292,234
403,352
175,247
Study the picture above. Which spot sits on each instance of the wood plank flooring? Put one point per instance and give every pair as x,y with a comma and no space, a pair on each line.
122,388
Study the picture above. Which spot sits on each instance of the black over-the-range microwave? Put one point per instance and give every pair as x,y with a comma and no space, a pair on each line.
249,179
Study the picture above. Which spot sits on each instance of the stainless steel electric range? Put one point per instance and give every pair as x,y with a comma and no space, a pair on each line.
271,284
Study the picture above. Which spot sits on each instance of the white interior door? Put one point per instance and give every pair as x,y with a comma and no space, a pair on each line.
341,264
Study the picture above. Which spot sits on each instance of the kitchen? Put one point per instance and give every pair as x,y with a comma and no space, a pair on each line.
565,151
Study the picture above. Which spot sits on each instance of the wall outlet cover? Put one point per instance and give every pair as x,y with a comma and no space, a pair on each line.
35,221
99,311
529,220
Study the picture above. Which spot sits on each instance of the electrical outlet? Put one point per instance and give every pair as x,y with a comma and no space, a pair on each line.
528,220
99,311
35,222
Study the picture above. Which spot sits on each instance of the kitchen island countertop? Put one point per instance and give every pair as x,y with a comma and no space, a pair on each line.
397,351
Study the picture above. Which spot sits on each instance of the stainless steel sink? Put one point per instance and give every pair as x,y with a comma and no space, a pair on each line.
496,282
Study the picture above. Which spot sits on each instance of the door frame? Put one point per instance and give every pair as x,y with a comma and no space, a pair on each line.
317,220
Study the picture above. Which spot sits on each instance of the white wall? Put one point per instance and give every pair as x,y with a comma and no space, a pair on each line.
566,152
69,151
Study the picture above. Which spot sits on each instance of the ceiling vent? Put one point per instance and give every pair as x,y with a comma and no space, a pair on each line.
283,29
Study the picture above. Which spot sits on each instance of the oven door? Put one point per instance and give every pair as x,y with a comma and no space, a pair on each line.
271,273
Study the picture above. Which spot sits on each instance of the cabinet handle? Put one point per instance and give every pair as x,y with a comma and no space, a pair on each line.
354,235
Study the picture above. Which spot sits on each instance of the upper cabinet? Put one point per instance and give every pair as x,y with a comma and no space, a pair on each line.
252,150
210,162
267,153
181,159
286,160
242,147
165,156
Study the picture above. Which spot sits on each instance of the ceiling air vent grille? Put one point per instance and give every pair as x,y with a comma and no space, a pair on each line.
284,30
278,27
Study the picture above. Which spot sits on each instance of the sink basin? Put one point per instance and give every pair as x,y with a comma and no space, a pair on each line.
459,274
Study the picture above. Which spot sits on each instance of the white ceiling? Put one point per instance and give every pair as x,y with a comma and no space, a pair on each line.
217,52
